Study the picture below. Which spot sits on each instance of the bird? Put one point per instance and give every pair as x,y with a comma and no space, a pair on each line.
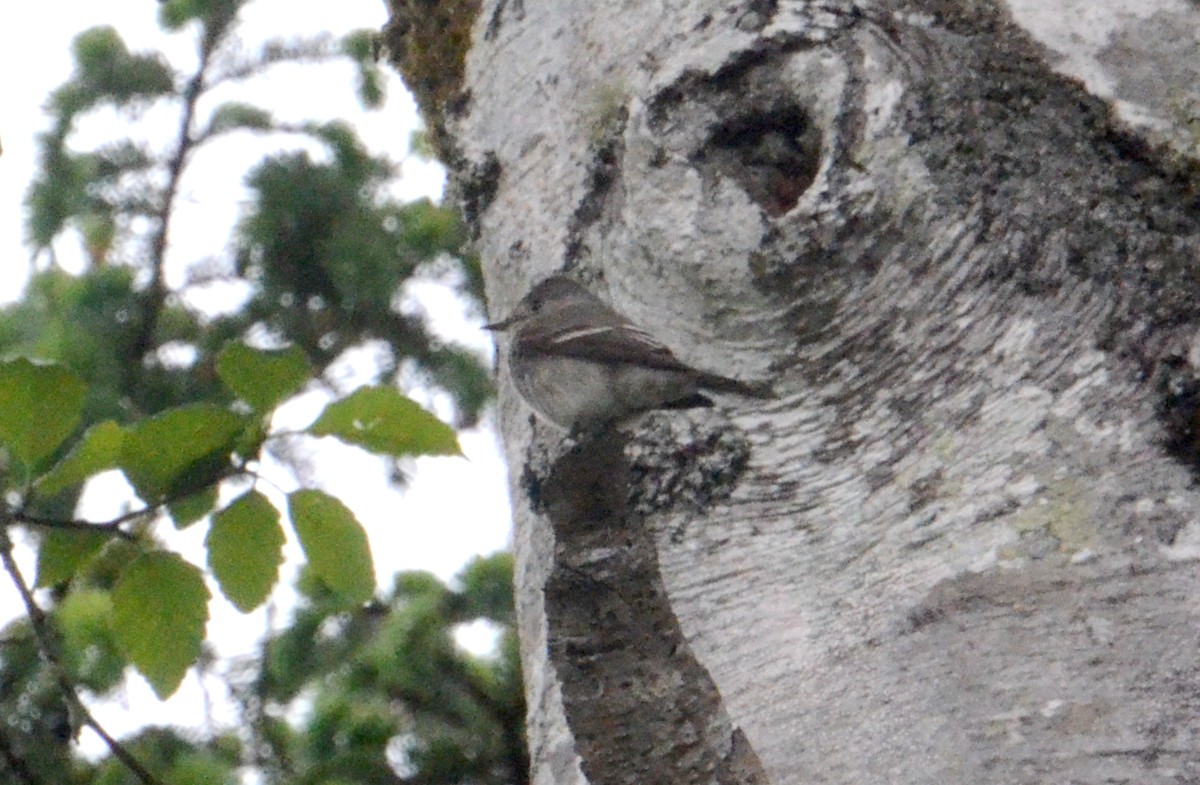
581,365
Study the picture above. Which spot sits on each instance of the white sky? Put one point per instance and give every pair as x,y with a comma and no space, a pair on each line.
454,508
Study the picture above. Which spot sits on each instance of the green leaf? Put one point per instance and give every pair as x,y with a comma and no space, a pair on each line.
84,619
105,70
260,377
40,406
420,145
487,588
180,450
174,14
334,543
201,767
371,93
234,115
382,420
160,608
245,549
360,45
63,552
98,450
187,511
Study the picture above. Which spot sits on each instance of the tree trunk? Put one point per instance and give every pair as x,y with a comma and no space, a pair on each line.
960,544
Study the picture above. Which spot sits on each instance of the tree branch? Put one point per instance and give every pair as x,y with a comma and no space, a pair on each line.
267,751
156,293
112,526
14,763
37,620
107,527
321,49
288,129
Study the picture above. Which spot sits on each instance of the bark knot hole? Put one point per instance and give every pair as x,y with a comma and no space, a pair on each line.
1178,383
773,155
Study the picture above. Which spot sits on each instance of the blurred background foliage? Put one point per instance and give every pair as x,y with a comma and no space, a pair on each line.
320,260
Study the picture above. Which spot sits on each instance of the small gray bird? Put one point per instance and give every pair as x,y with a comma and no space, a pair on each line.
580,364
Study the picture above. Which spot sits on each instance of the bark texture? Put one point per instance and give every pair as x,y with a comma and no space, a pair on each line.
960,546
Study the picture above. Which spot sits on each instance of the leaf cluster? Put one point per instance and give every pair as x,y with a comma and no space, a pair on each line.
393,678
320,259
174,461
133,378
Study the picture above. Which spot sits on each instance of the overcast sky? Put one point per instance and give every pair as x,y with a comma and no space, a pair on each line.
454,508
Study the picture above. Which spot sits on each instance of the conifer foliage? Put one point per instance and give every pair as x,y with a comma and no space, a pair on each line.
112,365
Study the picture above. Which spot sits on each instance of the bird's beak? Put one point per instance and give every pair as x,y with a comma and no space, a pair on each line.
503,324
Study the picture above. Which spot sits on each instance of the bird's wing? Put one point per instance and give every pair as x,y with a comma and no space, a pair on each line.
616,342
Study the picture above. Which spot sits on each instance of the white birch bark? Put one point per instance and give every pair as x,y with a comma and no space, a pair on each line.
960,545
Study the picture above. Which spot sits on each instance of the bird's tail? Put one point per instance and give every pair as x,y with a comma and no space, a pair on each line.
723,384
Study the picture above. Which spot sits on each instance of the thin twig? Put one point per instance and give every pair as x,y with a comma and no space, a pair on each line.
119,751
106,527
256,477
15,763
208,134
13,640
156,292
321,50
37,620
112,525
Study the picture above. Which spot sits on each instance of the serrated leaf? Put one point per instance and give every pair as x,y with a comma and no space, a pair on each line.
160,608
187,511
383,421
98,451
84,619
62,552
260,377
40,406
334,543
245,549
180,450
105,567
